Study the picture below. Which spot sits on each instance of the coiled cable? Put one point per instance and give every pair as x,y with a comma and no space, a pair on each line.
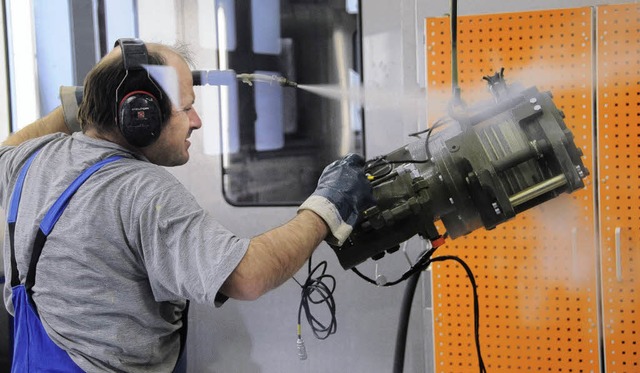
317,289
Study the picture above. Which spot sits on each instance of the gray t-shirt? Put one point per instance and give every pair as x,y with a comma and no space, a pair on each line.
130,248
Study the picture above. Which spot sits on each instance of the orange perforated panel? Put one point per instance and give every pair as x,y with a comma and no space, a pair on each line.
619,165
536,274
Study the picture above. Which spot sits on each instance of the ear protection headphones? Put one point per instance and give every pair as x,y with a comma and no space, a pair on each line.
138,112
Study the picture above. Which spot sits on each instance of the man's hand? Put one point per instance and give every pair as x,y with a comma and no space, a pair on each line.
343,192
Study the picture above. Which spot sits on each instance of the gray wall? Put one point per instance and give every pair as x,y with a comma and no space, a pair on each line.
260,336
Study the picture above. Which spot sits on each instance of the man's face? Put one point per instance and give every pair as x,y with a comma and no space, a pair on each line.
172,147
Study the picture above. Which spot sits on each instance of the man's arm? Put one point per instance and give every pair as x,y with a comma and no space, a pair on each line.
343,191
275,256
51,123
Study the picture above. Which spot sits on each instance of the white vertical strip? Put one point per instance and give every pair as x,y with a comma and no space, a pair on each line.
120,20
226,24
207,24
25,101
5,126
55,64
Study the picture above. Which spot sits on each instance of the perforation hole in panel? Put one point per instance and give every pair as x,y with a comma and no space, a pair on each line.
535,274
619,166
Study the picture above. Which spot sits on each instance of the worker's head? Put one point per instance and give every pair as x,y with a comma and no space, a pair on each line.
154,115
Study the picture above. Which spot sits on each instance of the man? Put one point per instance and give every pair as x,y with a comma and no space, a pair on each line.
124,247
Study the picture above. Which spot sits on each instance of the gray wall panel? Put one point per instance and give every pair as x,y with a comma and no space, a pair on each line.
260,336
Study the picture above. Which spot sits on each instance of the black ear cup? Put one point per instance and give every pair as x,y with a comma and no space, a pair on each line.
138,112
140,118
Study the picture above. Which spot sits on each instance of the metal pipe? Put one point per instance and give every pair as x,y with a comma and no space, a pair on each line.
514,159
537,190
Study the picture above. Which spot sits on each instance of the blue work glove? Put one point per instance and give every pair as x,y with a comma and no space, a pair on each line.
343,192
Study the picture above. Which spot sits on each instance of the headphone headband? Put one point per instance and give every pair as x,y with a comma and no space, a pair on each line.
134,53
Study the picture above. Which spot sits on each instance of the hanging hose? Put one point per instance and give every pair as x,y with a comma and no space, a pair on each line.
455,85
403,324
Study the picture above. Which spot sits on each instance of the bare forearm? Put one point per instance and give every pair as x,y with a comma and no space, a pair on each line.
51,123
275,256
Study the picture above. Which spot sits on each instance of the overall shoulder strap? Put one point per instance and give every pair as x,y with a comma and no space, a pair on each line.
52,216
13,215
48,222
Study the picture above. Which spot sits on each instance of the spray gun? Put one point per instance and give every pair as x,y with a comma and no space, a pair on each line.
250,78
226,77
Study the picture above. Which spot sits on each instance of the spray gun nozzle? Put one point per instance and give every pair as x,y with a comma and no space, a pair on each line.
288,83
250,78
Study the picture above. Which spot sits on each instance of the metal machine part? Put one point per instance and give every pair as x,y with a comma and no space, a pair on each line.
477,167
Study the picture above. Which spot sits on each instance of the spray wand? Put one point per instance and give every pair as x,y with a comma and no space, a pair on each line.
250,78
227,77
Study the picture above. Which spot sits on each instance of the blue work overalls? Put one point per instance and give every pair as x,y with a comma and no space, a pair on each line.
33,350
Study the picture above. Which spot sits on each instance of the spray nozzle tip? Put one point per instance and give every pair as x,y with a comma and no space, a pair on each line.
287,83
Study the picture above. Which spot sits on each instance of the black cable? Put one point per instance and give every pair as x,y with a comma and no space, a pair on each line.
403,323
405,312
437,124
317,286
374,166
420,265
454,48
376,162
476,307
413,274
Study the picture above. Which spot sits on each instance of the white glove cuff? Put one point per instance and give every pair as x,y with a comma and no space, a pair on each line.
340,230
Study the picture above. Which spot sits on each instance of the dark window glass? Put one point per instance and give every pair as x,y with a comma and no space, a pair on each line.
276,140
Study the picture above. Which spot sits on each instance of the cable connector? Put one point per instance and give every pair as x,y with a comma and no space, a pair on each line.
302,351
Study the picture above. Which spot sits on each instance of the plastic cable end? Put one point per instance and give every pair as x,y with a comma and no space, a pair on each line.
302,351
